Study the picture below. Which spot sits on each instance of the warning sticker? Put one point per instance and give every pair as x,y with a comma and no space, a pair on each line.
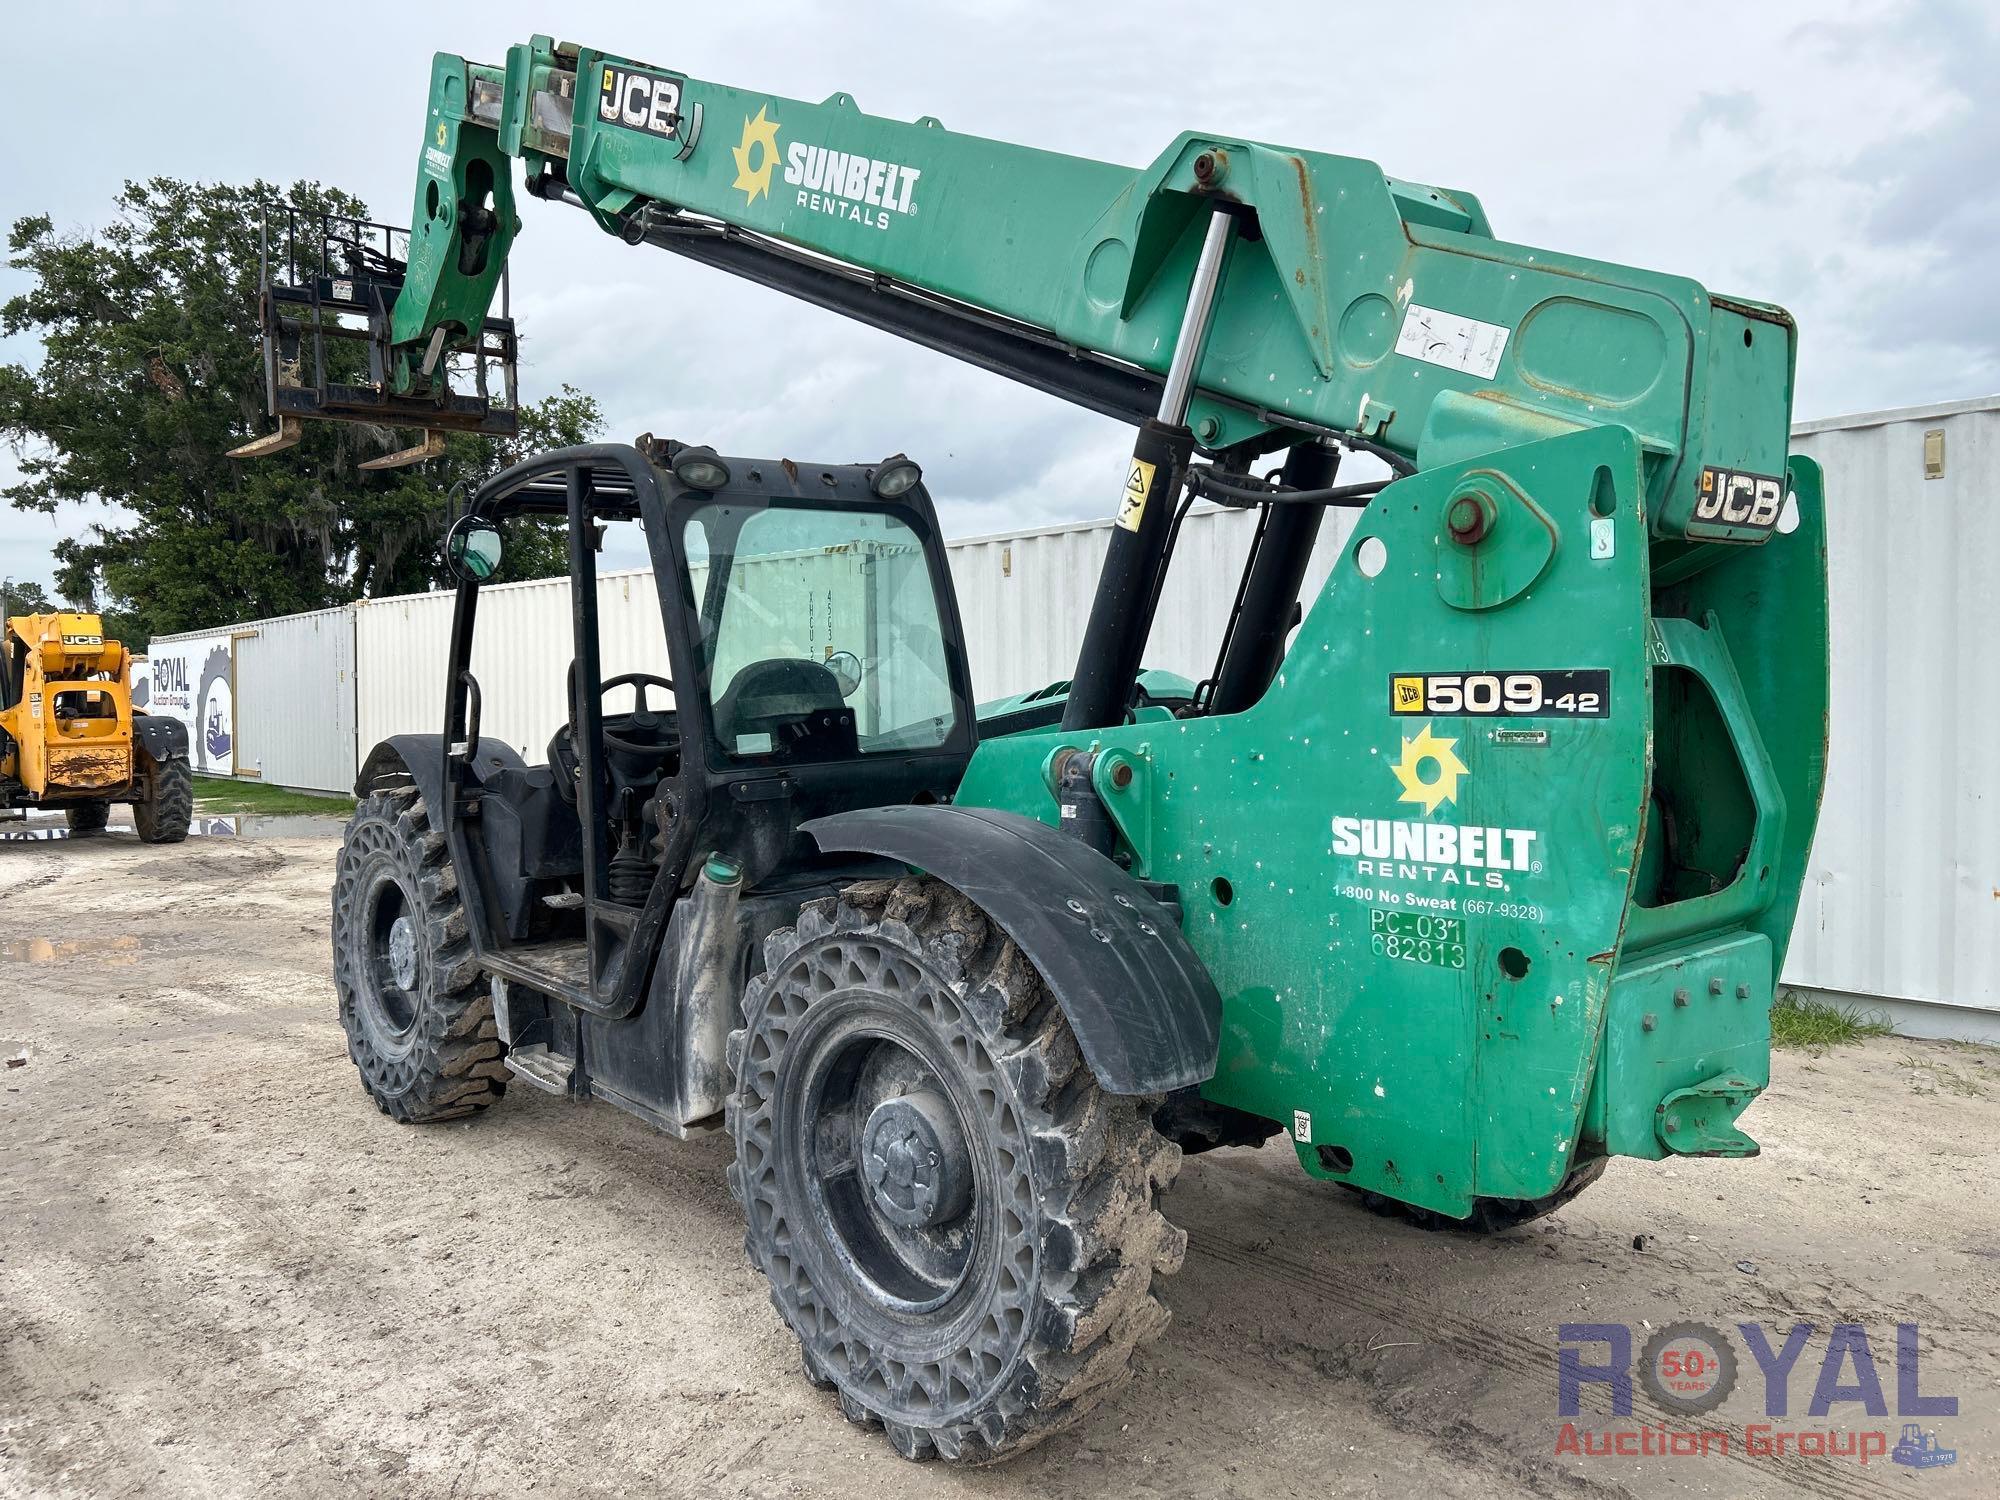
1302,1126
1442,338
1132,505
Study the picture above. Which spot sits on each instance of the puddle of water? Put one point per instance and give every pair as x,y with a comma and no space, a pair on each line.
49,826
269,825
119,952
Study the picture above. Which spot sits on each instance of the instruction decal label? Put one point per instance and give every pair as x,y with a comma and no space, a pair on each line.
1565,694
1456,343
1132,505
639,100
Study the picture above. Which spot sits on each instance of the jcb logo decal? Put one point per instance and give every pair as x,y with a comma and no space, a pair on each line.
1731,497
640,101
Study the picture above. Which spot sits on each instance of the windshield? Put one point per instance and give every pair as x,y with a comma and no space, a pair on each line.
821,632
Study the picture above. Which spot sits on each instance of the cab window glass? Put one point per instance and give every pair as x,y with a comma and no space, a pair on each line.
821,630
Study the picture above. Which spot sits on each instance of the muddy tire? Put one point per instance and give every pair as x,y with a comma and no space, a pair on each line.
1489,1215
165,805
957,1223
415,1007
87,817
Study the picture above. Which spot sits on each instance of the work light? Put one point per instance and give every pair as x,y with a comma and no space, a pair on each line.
700,469
897,475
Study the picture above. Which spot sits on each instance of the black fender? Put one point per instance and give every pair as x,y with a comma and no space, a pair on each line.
1145,1011
419,759
160,739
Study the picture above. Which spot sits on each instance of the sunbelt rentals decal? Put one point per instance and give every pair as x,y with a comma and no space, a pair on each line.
1429,852
846,185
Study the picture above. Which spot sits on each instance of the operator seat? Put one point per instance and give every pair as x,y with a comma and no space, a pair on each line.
796,702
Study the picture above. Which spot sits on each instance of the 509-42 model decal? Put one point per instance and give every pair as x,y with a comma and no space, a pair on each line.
1583,693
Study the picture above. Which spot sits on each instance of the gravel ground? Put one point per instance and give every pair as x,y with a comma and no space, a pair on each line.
222,1272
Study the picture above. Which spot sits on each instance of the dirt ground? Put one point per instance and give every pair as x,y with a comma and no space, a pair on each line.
222,1272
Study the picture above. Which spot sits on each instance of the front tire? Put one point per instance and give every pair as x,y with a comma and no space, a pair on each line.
164,808
957,1223
418,1019
87,817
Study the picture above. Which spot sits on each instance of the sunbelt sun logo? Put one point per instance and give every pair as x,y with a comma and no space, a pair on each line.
841,184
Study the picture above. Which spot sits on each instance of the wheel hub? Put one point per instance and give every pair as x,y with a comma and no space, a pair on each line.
403,953
915,1161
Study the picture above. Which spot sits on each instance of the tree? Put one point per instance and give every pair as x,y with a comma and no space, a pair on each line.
25,597
151,373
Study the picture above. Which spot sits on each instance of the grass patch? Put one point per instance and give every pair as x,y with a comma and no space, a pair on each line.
222,794
1817,1024
1930,1075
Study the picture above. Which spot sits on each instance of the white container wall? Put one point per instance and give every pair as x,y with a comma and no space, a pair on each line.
1025,598
521,652
1902,898
271,699
294,696
523,641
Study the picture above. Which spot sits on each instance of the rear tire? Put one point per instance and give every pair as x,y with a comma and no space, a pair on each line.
957,1223
87,817
165,805
1489,1215
418,1016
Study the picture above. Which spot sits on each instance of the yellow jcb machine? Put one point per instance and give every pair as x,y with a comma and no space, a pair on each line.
70,738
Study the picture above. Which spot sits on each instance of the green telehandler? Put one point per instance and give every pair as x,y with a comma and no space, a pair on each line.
1476,876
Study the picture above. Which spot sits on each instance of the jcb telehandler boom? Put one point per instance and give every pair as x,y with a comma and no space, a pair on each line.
1477,877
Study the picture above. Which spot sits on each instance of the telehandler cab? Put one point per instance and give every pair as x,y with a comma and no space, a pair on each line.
1477,877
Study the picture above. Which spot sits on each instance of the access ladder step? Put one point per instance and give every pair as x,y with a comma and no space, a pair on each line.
542,1068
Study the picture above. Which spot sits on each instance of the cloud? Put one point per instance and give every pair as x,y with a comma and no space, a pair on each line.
1732,113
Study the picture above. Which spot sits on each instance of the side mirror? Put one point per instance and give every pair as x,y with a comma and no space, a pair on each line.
846,669
472,549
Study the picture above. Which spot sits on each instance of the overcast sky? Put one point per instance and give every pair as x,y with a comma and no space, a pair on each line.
1842,159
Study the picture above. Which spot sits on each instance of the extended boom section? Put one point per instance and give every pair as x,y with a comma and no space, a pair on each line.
1355,303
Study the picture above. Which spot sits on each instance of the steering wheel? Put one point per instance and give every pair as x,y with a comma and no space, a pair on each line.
642,717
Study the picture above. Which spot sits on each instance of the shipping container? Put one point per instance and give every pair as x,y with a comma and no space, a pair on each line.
815,602
268,699
1025,596
521,652
1902,898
